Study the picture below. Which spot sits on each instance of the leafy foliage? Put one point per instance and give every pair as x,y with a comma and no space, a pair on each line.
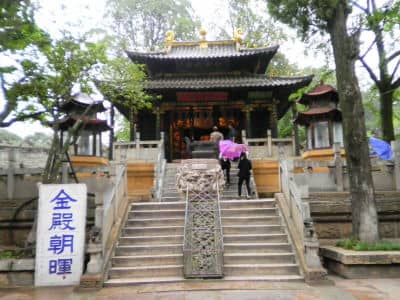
9,138
357,245
143,23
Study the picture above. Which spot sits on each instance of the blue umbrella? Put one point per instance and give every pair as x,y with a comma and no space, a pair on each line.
381,148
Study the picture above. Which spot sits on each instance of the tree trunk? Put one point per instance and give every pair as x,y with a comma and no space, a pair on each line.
345,49
386,112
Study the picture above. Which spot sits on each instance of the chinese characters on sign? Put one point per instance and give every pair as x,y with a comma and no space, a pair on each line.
60,234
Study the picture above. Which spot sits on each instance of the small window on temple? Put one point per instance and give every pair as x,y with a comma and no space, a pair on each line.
338,133
321,134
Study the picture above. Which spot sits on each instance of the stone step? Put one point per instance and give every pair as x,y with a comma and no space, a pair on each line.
253,203
259,258
254,229
116,282
179,279
129,250
260,269
156,213
147,260
257,220
171,199
146,271
156,206
257,247
264,211
150,240
152,231
253,238
155,222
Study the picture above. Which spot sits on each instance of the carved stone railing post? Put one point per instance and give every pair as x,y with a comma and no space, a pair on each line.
396,157
338,167
269,142
10,173
200,179
95,247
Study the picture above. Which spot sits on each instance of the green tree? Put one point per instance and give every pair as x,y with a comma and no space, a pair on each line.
122,85
143,23
38,139
384,22
19,34
314,16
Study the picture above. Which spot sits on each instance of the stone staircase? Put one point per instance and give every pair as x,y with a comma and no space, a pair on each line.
150,246
256,245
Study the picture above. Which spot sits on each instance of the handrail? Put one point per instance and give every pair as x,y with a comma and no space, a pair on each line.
159,169
219,219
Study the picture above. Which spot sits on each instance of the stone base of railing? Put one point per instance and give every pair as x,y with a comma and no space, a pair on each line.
91,281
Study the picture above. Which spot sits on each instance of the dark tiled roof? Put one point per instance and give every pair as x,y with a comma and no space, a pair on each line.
318,91
95,125
194,51
305,117
212,82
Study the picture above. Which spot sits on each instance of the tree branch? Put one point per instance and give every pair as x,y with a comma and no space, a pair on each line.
393,56
395,70
22,118
370,72
369,48
365,10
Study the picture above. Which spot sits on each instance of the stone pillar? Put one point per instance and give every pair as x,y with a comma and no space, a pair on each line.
338,167
396,158
10,173
269,142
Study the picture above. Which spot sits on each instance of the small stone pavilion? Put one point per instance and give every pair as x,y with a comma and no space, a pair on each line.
206,83
322,119
87,147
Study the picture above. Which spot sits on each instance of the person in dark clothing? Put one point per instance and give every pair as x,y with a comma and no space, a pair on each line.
244,167
226,168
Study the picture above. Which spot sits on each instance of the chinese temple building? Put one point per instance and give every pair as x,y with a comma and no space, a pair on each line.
88,144
207,83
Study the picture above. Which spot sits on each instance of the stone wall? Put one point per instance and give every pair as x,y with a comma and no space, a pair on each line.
331,213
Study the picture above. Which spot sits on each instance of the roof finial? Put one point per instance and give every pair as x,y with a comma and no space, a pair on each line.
203,42
169,38
238,36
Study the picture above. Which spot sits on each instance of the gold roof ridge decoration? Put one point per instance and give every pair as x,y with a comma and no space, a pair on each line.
238,36
203,42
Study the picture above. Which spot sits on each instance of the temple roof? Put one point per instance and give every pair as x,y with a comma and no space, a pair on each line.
216,49
318,91
81,101
305,117
224,81
95,125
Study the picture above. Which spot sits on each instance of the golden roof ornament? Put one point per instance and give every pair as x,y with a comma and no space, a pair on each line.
169,38
203,42
238,36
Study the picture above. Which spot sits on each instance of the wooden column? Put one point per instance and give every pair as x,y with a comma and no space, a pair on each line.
111,141
274,118
247,112
158,121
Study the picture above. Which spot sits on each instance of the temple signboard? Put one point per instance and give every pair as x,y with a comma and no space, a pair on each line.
60,234
201,96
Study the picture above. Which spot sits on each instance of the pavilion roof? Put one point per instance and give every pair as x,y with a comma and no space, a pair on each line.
318,91
224,81
191,50
304,118
89,124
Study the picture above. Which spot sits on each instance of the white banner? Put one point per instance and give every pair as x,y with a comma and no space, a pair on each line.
60,236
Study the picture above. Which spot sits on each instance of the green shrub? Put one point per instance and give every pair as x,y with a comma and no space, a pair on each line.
357,245
6,254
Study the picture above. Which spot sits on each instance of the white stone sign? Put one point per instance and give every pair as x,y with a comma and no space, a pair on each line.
60,234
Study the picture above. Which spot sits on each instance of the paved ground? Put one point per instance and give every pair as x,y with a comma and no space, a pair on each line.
365,289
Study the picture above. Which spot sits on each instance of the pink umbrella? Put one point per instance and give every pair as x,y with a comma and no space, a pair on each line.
231,150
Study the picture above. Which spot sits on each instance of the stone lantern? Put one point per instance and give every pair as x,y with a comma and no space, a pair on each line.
323,119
